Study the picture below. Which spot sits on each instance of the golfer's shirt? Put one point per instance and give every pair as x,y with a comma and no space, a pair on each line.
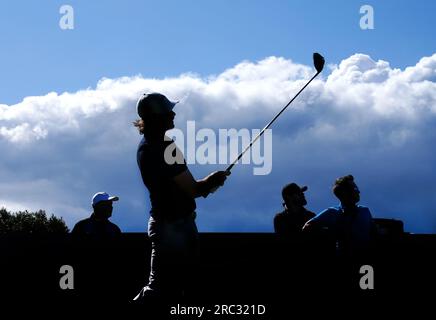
167,199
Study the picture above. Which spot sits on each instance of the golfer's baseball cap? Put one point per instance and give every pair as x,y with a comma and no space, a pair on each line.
103,196
154,103
292,188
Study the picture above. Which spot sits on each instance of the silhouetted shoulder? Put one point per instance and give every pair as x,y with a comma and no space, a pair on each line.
327,213
279,216
278,221
365,210
91,226
80,226
310,214
326,217
286,223
115,228
363,207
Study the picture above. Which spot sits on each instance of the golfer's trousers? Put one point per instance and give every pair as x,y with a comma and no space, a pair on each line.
173,254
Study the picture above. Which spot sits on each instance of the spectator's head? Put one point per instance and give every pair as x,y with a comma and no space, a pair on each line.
102,204
156,114
293,196
346,190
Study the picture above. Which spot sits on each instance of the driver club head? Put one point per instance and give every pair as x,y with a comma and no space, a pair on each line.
318,62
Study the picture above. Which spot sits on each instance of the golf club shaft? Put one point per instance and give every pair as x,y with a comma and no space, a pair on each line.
270,123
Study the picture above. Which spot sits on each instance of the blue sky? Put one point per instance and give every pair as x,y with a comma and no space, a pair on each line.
166,38
179,48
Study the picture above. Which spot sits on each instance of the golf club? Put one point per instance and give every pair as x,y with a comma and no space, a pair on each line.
318,62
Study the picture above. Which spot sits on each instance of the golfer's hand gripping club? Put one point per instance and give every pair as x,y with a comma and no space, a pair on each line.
216,179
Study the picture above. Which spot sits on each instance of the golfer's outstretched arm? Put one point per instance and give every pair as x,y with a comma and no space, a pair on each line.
197,188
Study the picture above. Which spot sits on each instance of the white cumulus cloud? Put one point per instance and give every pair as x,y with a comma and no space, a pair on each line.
364,118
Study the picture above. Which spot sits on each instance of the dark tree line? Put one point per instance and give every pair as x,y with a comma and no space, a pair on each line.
30,222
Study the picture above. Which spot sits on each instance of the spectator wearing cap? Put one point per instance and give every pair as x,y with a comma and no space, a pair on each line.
98,223
290,222
350,224
172,190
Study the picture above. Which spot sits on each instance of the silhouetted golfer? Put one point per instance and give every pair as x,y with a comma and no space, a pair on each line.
290,222
172,188
349,223
98,223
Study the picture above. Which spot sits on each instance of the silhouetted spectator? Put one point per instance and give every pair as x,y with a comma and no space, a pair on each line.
290,222
98,223
172,189
349,223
